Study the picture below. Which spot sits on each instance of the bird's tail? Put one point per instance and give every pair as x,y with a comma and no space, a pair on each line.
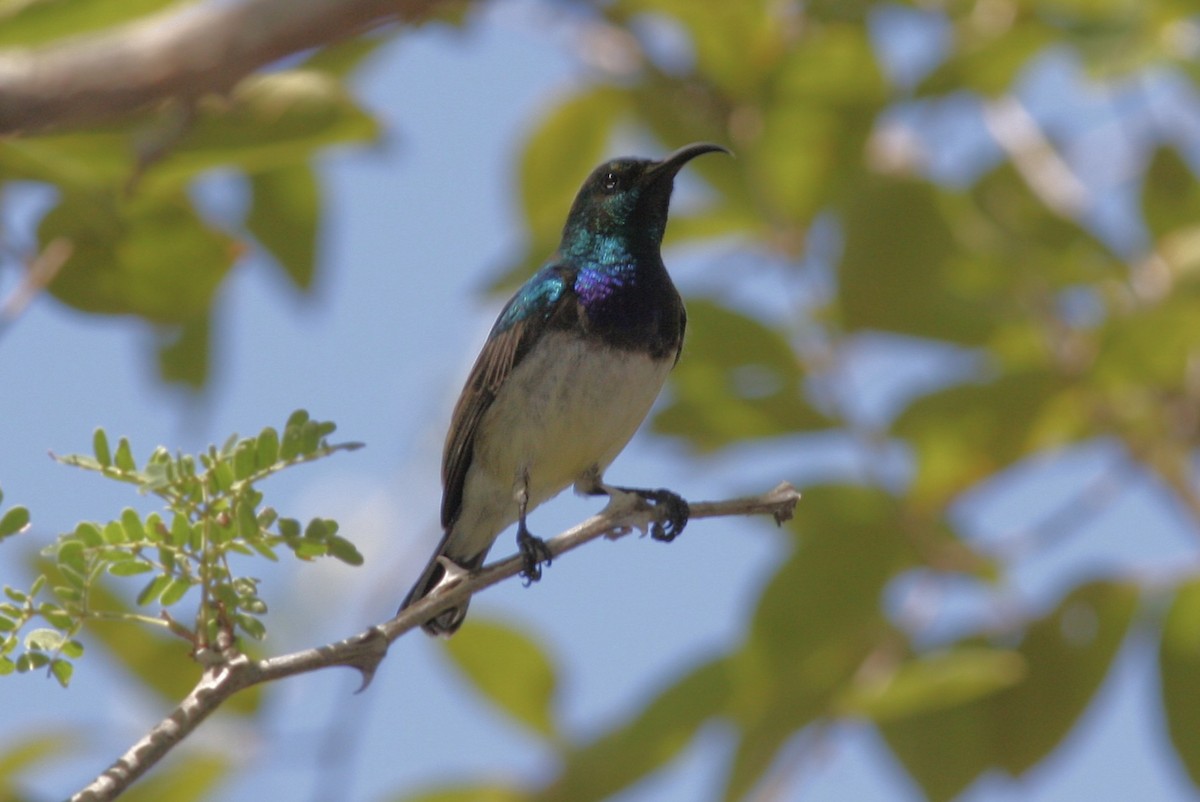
447,622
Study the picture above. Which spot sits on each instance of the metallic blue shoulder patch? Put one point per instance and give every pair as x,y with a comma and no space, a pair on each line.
536,297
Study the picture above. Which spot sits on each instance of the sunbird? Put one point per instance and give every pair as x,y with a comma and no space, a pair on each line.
566,376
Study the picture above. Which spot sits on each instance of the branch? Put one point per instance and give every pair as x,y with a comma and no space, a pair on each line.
366,650
181,53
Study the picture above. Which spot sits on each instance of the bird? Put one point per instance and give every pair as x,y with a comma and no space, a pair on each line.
566,376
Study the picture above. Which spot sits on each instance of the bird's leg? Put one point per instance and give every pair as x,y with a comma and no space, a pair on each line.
673,508
534,551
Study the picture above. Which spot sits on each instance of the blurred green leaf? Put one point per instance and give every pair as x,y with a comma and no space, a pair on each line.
344,57
735,44
466,793
26,24
1170,194
988,59
270,121
13,522
187,778
149,256
1179,675
816,122
659,732
965,434
1067,654
284,216
818,619
183,353
509,669
932,681
100,447
23,753
895,275
737,380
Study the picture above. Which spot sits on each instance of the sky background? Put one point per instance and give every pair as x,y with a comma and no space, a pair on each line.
415,227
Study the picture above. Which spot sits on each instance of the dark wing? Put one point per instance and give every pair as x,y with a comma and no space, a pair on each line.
545,297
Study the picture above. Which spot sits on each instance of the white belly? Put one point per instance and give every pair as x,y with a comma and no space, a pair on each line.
569,407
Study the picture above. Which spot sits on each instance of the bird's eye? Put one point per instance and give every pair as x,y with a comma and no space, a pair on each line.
610,182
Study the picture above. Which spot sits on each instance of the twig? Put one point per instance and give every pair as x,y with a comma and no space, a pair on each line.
184,53
1033,155
38,275
364,651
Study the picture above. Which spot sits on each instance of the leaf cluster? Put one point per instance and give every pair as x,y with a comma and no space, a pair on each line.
212,513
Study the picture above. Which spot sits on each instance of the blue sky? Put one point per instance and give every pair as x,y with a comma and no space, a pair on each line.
416,226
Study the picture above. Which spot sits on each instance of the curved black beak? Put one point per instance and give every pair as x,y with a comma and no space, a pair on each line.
669,166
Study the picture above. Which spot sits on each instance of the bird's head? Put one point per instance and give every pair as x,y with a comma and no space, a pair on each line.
624,202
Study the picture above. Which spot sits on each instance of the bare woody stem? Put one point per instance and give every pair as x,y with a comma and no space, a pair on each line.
182,53
364,651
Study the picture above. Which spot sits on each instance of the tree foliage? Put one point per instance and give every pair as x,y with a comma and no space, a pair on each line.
1074,336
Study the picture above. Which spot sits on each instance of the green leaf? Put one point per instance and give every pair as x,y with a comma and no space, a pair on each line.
660,730
990,63
825,96
344,550
25,24
124,456
174,591
131,522
251,626
509,669
466,793
899,264
13,522
71,553
147,255
818,619
62,671
270,121
190,778
130,568
1067,654
153,589
966,434
243,459
20,754
738,380
342,58
89,534
183,353
1179,674
247,522
722,36
114,532
933,681
100,447
285,212
268,448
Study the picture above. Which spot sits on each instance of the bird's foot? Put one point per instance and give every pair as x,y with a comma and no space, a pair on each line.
672,508
673,513
534,554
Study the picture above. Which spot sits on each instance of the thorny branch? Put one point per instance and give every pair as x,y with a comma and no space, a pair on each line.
365,650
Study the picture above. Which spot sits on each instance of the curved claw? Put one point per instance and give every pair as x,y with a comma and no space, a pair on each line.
534,554
673,517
